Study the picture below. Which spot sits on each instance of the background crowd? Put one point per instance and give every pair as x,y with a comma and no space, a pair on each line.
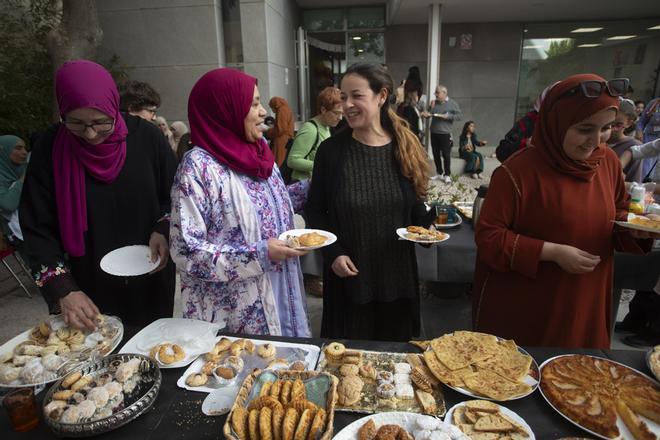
217,197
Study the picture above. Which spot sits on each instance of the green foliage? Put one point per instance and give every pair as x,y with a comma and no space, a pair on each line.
561,47
26,69
26,91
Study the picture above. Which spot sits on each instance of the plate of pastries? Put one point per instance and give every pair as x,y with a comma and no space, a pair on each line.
482,419
230,360
282,404
481,365
419,234
647,223
35,356
399,425
605,398
307,239
371,382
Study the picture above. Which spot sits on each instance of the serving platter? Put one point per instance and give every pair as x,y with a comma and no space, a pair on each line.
449,418
114,333
407,420
625,433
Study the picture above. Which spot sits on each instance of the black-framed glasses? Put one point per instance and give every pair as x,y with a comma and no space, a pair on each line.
98,127
594,88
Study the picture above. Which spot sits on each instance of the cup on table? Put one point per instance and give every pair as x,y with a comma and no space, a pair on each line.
441,216
22,409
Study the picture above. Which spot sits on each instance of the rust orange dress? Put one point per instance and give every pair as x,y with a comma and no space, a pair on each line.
283,130
538,195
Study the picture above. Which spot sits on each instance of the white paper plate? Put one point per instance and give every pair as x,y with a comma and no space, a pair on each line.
625,432
448,225
129,261
506,411
635,226
194,336
406,420
401,232
298,232
219,402
311,359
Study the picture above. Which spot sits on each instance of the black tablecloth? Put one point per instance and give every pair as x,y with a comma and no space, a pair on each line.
177,412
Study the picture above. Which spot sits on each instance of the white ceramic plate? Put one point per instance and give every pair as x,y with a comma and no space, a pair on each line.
625,433
635,226
448,225
253,361
506,411
55,322
331,238
404,419
194,336
129,261
402,233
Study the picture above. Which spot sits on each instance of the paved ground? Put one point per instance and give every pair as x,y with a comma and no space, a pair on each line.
444,307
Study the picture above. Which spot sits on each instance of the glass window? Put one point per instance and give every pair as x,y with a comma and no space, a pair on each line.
231,31
553,51
366,47
362,18
323,19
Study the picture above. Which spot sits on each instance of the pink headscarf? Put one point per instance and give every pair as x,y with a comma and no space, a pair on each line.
80,84
217,107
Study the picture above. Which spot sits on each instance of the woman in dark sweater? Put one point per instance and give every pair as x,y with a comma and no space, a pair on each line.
369,180
96,182
467,151
408,111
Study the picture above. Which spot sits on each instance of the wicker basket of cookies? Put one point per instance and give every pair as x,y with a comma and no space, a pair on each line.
283,404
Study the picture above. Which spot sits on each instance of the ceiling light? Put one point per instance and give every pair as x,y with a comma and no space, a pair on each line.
590,45
357,37
622,37
654,28
360,50
533,47
583,30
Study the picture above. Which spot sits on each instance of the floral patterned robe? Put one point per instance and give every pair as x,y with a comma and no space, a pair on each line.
226,275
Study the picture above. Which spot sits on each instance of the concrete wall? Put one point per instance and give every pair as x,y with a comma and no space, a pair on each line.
483,80
167,43
268,33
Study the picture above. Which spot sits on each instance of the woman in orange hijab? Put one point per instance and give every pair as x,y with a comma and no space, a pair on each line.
546,235
283,130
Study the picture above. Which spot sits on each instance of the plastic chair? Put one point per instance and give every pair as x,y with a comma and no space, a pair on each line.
10,250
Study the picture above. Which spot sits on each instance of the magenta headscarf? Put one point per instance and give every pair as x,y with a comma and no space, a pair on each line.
80,84
217,107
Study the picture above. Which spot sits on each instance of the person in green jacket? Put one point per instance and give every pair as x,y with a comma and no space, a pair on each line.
313,132
13,163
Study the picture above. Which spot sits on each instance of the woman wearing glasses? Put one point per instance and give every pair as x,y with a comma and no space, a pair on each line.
545,235
98,181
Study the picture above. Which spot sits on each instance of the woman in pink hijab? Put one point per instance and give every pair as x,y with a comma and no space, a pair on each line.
229,206
97,181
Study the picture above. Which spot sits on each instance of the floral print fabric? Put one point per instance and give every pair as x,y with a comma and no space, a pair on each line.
225,276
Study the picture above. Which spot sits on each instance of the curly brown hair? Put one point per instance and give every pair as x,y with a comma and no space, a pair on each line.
409,152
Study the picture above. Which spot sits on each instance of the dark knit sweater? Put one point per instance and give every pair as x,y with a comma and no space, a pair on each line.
359,194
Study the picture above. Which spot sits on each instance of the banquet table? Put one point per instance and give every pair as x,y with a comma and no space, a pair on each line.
453,261
177,414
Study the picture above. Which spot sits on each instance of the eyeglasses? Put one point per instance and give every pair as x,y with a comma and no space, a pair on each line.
98,127
593,88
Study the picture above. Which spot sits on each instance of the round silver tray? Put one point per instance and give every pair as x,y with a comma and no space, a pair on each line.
148,369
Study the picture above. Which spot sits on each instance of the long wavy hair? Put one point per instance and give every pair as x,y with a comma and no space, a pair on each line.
408,150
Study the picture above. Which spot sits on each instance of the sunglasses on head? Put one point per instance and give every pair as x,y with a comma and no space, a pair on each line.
594,88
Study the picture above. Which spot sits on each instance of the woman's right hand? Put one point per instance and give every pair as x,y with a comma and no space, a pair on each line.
279,251
343,267
572,259
79,311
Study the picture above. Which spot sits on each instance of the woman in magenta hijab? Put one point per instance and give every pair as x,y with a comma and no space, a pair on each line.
229,205
97,181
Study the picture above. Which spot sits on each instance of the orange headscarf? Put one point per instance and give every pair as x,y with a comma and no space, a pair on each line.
558,113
